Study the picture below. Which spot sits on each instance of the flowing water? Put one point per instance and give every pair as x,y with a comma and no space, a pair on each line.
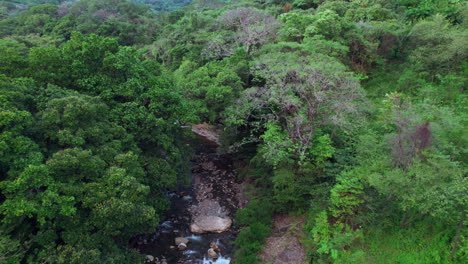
212,177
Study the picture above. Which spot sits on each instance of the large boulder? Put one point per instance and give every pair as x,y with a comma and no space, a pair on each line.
209,217
210,224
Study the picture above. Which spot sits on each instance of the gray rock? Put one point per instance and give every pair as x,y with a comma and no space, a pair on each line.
210,224
149,258
209,217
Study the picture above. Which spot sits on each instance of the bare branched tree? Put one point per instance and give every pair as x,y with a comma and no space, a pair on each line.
411,138
64,9
254,28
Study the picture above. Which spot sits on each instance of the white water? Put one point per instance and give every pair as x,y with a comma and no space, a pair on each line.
166,227
178,223
219,260
194,238
190,252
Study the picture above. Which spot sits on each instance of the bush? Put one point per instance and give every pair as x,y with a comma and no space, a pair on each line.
255,222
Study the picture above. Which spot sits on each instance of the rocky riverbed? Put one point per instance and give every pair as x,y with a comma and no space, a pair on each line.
199,226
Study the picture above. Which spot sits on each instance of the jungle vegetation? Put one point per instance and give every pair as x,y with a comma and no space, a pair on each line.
352,113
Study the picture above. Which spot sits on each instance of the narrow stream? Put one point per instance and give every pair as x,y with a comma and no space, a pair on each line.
213,180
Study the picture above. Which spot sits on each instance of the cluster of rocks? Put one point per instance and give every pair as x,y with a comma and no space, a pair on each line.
216,193
153,260
182,244
207,207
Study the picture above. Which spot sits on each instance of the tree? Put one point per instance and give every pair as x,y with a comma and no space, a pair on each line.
297,97
13,55
212,87
254,28
437,46
86,192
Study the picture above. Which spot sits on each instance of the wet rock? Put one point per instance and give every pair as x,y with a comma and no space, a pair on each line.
214,245
212,253
207,207
149,259
180,240
210,224
182,246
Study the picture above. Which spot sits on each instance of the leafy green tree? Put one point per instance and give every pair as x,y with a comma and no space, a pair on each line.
417,10
437,46
13,55
346,198
212,87
91,183
300,97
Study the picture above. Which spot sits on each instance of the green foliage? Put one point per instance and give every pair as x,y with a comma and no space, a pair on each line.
128,22
98,188
340,6
294,102
327,23
369,13
255,223
13,56
90,130
346,196
212,87
73,179
417,10
426,242
438,46
277,146
164,5
330,239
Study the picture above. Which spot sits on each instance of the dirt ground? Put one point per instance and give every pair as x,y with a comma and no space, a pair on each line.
283,246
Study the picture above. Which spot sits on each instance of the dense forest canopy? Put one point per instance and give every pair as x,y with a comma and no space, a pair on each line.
349,113
156,5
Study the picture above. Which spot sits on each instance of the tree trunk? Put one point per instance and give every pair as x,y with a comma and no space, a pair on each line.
456,239
407,220
248,48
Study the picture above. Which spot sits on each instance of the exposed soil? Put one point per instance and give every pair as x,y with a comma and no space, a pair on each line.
284,245
208,132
